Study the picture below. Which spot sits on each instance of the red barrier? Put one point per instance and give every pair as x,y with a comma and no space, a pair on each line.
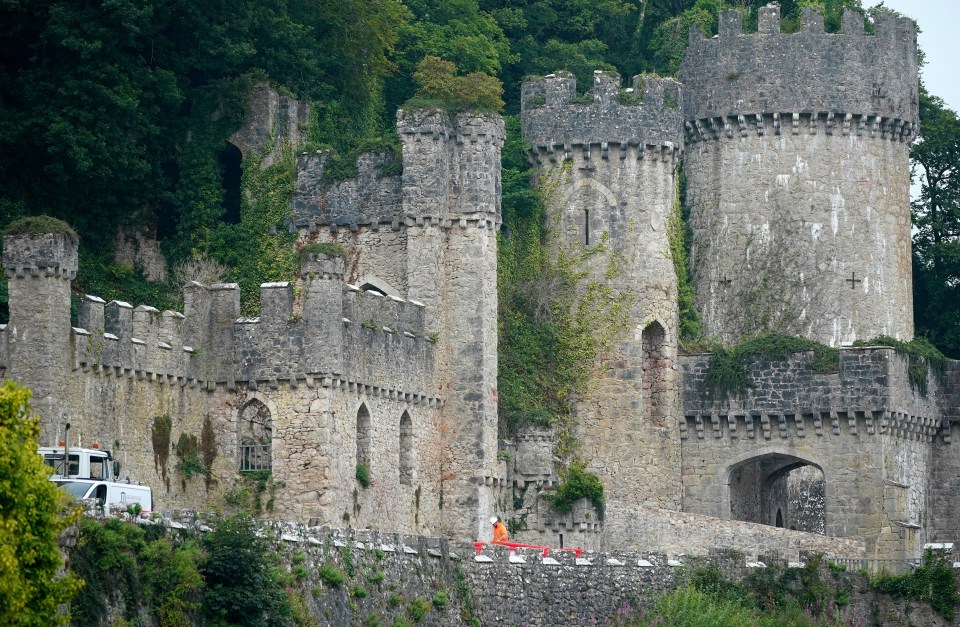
517,545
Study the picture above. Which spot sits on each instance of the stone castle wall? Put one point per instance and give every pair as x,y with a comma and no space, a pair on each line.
798,176
607,171
430,235
864,427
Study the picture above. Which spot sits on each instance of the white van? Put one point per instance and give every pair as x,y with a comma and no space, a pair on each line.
90,473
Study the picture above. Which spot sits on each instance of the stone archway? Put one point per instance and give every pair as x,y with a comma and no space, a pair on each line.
775,489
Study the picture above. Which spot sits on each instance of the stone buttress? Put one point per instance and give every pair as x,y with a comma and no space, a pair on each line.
797,164
606,169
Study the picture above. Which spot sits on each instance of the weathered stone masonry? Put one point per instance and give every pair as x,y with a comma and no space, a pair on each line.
608,169
797,152
796,158
864,427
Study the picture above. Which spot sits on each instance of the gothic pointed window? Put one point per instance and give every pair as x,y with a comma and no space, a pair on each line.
256,437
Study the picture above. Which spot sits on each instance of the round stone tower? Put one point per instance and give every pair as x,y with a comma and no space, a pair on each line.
798,177
606,170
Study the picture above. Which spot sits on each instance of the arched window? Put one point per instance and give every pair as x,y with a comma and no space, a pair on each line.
256,436
363,437
656,367
406,449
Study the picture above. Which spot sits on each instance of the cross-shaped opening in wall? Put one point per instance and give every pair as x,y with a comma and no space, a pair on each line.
853,280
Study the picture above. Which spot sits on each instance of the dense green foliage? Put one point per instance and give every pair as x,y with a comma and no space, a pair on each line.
934,581
556,320
228,578
243,584
32,514
936,219
728,364
577,484
772,596
140,566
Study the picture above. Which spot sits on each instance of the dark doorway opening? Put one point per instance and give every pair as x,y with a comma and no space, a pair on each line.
231,173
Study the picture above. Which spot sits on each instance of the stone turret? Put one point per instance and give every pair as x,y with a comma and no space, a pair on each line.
608,161
798,175
451,200
39,269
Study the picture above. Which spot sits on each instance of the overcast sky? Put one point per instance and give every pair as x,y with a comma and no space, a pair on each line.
939,40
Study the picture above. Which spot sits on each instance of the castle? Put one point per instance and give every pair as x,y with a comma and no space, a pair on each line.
369,388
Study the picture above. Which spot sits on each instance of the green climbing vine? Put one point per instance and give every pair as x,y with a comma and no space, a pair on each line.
678,232
558,312
259,248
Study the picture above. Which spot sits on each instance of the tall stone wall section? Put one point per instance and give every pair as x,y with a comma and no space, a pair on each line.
300,375
430,235
797,163
606,168
869,432
39,269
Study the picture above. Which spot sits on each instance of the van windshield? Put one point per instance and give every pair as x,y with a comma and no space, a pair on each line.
78,489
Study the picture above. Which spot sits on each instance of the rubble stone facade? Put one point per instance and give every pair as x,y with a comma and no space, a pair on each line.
369,386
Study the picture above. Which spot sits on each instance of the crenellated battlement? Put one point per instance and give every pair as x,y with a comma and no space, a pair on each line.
771,81
48,254
641,119
441,152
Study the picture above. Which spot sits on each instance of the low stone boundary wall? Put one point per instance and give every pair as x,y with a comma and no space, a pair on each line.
680,533
497,587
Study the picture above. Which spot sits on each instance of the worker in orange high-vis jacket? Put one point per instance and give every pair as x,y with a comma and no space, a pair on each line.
500,535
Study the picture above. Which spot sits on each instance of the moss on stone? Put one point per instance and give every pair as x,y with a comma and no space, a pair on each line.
40,225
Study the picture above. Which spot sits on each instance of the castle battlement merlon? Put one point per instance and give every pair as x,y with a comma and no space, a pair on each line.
141,339
645,117
847,80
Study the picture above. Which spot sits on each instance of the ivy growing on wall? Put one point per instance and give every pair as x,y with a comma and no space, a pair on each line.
555,319
679,234
260,249
160,438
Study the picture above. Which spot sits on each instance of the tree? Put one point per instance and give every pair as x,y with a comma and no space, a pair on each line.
31,519
242,586
936,219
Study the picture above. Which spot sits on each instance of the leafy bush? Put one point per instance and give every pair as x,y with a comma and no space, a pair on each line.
440,599
32,515
419,609
934,582
358,592
331,576
441,87
143,565
578,484
243,585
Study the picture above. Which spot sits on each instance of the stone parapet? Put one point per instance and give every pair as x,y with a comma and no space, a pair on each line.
871,392
645,116
48,254
769,79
